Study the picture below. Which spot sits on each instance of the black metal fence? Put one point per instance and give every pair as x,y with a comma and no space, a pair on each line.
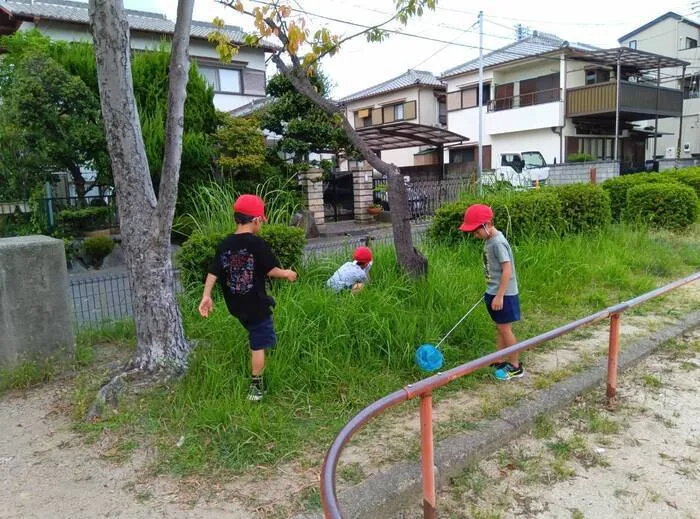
425,197
97,300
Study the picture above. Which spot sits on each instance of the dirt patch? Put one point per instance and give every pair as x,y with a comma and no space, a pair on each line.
643,460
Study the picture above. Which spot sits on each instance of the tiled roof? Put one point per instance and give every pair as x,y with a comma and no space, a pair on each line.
77,12
408,79
538,43
250,108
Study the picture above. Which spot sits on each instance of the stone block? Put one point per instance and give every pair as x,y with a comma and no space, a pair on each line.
35,305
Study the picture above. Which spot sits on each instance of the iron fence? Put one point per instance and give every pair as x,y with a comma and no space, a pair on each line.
100,299
424,197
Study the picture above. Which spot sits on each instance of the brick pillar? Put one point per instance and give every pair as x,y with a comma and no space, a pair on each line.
362,192
312,190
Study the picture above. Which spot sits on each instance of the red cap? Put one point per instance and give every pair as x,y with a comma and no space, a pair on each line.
250,205
475,216
362,255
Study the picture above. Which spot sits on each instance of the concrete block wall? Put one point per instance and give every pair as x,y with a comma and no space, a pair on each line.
362,194
666,164
35,306
580,172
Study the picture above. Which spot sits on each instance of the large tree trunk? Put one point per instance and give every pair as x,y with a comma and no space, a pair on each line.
410,259
145,223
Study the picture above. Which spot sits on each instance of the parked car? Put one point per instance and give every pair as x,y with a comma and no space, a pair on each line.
417,201
521,170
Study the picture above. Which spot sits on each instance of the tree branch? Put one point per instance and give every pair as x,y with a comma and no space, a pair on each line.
175,123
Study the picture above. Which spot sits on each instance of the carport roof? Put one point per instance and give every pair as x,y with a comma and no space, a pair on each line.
407,135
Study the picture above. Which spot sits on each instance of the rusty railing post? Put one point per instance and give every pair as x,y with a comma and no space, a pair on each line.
613,354
594,175
427,456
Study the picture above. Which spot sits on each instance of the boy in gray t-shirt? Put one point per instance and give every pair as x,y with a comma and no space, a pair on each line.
501,297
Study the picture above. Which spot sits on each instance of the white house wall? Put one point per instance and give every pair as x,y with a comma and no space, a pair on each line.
427,107
249,58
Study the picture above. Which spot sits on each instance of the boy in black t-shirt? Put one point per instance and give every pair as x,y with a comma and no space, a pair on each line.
241,265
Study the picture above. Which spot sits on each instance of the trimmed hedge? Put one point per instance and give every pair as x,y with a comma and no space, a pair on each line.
688,176
76,221
617,189
668,206
97,248
518,214
584,207
197,252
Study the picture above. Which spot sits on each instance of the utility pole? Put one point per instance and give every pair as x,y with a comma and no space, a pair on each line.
480,93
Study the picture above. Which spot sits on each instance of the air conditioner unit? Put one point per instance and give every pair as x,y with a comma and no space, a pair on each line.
686,147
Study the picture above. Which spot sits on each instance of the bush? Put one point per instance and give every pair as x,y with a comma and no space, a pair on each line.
197,252
580,157
446,222
518,214
668,206
584,207
617,189
97,248
527,213
76,221
688,176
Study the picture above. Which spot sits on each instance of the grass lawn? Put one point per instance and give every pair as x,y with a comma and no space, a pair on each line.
338,353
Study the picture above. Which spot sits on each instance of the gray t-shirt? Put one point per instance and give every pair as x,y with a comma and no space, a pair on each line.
496,251
346,276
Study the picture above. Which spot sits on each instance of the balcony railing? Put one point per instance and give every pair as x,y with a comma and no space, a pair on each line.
635,98
531,98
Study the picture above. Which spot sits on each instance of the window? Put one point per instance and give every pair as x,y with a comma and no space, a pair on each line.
468,97
462,156
691,87
633,44
691,43
226,80
539,90
597,75
363,118
398,112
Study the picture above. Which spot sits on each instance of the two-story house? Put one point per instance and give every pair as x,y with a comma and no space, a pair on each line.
235,83
404,120
545,94
674,35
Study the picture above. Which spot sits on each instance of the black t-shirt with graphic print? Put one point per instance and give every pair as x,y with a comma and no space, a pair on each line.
241,264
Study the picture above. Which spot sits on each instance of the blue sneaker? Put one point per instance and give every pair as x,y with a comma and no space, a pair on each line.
507,371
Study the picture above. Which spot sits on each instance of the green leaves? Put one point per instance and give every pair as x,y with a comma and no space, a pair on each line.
241,146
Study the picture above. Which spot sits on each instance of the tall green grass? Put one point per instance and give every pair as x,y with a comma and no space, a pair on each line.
211,205
338,353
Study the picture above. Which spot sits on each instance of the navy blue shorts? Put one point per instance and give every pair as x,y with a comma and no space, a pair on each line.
510,312
261,335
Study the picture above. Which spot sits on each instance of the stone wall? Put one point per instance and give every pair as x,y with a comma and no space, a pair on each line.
577,172
35,306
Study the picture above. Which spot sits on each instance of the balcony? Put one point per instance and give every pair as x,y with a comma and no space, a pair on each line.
530,111
637,101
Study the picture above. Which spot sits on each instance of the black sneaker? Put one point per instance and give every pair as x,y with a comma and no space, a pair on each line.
255,394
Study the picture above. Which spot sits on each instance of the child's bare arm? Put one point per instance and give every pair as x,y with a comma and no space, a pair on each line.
287,274
206,305
507,267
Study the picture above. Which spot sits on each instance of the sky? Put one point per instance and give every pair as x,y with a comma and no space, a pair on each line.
361,64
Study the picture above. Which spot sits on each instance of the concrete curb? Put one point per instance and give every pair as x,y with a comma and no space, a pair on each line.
386,494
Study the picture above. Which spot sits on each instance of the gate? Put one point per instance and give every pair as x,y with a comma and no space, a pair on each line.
338,197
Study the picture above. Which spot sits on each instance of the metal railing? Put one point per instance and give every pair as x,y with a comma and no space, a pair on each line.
521,100
424,388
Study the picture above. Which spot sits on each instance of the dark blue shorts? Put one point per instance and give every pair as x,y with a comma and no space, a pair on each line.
510,312
261,335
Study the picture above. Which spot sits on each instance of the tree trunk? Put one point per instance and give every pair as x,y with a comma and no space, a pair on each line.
145,223
78,181
410,259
